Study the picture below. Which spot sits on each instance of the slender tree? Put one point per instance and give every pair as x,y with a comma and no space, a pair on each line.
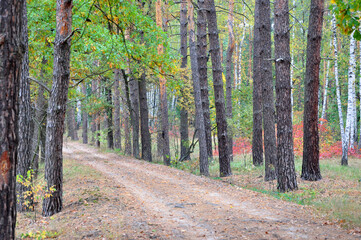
183,112
24,161
224,163
311,153
338,94
134,98
126,113
163,95
203,156
324,101
84,116
230,78
286,175
109,115
145,134
202,59
116,97
11,14
263,70
57,108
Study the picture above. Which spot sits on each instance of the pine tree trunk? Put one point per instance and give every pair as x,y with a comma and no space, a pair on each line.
39,121
239,69
203,155
116,97
126,113
94,115
311,153
224,163
24,161
262,52
230,79
163,95
257,141
134,98
57,109
84,117
183,112
202,59
286,175
144,120
72,133
11,14
109,116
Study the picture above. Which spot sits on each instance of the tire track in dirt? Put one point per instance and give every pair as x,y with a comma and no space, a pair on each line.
192,207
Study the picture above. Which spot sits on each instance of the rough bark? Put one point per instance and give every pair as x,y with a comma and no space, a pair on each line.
230,78
72,133
184,141
203,155
57,108
94,115
84,116
109,117
286,175
24,161
116,97
311,153
224,163
134,98
262,52
38,121
163,95
258,51
144,120
10,70
126,113
202,59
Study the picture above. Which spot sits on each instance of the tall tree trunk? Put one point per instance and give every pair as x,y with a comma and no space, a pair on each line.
116,97
11,14
24,160
324,101
39,121
359,140
84,116
338,94
311,153
258,51
224,163
144,120
239,69
183,112
286,175
203,155
262,53
57,108
163,95
94,115
202,59
134,98
109,116
126,114
72,133
350,99
230,78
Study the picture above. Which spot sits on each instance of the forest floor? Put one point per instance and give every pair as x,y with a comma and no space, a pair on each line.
107,196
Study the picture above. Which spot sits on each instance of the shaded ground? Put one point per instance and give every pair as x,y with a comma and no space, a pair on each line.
123,198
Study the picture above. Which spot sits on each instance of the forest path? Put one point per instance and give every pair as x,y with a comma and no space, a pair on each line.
166,203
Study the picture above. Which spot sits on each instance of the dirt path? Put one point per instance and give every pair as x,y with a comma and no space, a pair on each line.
170,204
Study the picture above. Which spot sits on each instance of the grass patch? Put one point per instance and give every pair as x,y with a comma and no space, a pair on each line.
336,196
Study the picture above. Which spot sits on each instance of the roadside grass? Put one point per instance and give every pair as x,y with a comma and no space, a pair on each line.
337,197
86,194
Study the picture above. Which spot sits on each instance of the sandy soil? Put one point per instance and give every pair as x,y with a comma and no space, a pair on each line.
159,202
